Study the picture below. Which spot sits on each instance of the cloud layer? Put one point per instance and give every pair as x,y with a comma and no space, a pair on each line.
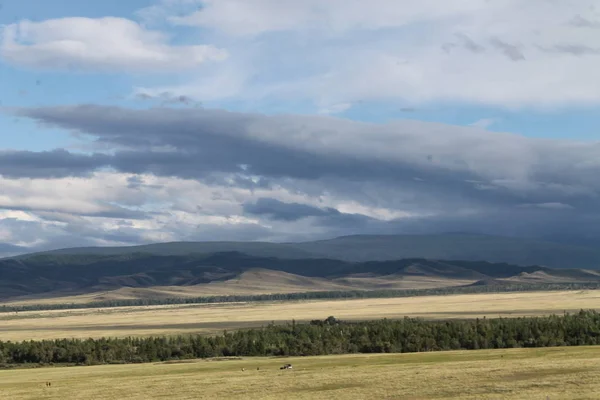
104,44
168,174
192,173
337,54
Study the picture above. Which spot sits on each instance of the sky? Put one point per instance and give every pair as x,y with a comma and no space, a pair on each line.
139,121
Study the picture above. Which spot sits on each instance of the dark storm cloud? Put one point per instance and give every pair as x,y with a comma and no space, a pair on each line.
48,164
7,250
417,167
235,232
109,211
549,222
216,141
135,182
334,222
417,156
520,222
278,210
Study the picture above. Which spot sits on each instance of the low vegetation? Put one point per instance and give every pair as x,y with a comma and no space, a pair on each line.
353,294
319,338
210,319
565,373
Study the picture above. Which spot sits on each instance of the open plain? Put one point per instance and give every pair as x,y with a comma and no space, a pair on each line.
214,318
550,373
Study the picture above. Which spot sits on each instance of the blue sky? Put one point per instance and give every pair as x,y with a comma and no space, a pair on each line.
35,86
477,69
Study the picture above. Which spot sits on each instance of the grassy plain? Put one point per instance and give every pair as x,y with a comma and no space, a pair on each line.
551,373
213,318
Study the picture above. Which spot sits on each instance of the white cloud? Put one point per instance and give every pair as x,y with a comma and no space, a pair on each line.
241,17
163,9
549,206
484,123
226,81
76,211
104,44
319,177
335,108
504,53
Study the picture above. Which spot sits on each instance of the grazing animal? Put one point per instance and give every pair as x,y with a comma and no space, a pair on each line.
286,366
243,369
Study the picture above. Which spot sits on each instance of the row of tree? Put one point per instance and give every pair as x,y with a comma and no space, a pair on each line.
355,294
316,338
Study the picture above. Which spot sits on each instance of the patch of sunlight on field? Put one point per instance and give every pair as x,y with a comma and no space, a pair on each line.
214,318
555,373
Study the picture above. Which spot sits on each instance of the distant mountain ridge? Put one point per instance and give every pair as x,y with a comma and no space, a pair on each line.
52,274
454,246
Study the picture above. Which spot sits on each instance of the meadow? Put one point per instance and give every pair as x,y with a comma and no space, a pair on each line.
549,373
214,318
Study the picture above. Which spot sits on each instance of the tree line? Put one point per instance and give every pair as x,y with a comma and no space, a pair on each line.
320,295
330,336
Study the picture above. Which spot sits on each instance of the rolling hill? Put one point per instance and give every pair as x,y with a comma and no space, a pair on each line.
143,274
471,247
456,247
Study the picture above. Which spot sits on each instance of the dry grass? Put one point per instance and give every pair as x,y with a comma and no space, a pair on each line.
256,281
557,373
160,320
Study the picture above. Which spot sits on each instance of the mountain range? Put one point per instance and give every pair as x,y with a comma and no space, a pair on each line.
351,262
457,246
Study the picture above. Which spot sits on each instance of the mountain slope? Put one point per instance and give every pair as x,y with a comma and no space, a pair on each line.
380,248
455,247
260,249
51,275
251,282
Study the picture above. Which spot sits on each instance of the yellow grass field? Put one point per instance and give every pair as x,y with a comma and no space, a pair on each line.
552,373
213,318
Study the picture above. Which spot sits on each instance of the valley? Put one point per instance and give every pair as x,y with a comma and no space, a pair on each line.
80,277
211,319
61,295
